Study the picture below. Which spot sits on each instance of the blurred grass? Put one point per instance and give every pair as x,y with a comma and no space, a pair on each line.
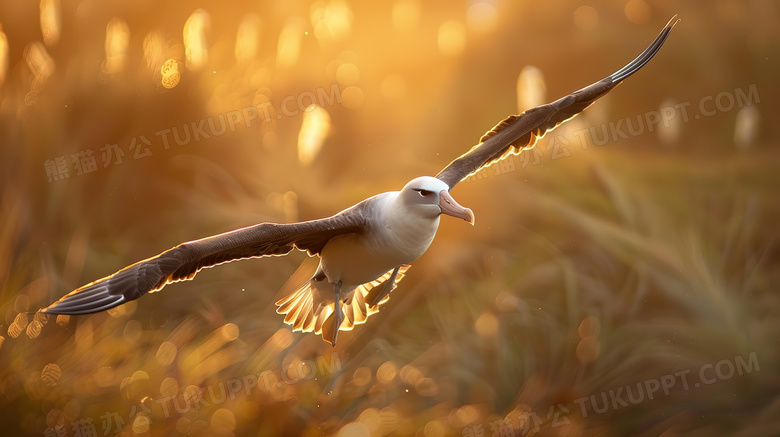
617,265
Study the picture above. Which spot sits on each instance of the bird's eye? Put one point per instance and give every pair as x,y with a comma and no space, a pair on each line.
424,193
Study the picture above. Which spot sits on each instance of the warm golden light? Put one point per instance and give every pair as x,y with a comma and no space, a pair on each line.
746,126
531,88
331,20
348,74
586,17
362,376
34,329
166,353
248,39
354,429
289,46
486,326
223,421
170,73
670,130
406,14
229,332
314,130
39,62
482,17
452,38
637,11
141,424
117,39
154,50
51,374
195,49
589,326
3,55
352,97
50,21
386,372
370,418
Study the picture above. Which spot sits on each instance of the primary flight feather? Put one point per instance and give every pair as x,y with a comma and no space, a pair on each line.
364,250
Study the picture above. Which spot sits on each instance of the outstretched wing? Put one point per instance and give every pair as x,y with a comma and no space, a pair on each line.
518,132
185,260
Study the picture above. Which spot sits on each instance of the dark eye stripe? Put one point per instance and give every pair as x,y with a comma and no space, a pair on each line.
424,192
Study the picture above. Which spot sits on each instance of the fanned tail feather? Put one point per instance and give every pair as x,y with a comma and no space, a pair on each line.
305,315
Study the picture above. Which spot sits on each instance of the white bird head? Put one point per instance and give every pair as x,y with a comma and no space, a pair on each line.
432,198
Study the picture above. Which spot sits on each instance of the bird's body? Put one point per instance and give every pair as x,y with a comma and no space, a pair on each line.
397,239
364,250
402,225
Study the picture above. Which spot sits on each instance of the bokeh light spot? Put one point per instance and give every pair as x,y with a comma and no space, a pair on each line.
289,45
39,62
132,331
248,39
352,97
590,325
347,74
223,421
531,88
482,17
195,48
63,319
141,424
331,20
434,428
3,56
370,418
166,353
486,325
50,21
637,11
170,73
452,38
229,331
426,387
588,349
410,375
586,17
169,387
362,376
34,329
51,374
315,128
406,14
117,40
354,429
386,372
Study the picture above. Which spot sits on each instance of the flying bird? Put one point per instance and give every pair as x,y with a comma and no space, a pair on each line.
364,250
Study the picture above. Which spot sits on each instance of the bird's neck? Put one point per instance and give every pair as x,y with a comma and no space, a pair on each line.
406,228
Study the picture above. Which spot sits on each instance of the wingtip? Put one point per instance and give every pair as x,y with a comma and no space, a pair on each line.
646,55
672,22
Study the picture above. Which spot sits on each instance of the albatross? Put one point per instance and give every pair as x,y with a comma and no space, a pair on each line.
364,250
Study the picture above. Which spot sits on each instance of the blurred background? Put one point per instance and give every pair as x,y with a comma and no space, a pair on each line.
633,248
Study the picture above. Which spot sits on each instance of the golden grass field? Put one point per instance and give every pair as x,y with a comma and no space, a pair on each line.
622,277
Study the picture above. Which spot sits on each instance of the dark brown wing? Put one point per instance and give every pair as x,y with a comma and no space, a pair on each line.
185,260
518,132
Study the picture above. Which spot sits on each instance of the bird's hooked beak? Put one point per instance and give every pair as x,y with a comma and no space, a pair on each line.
449,206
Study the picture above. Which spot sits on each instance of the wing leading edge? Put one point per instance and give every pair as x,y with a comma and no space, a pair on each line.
182,262
519,132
